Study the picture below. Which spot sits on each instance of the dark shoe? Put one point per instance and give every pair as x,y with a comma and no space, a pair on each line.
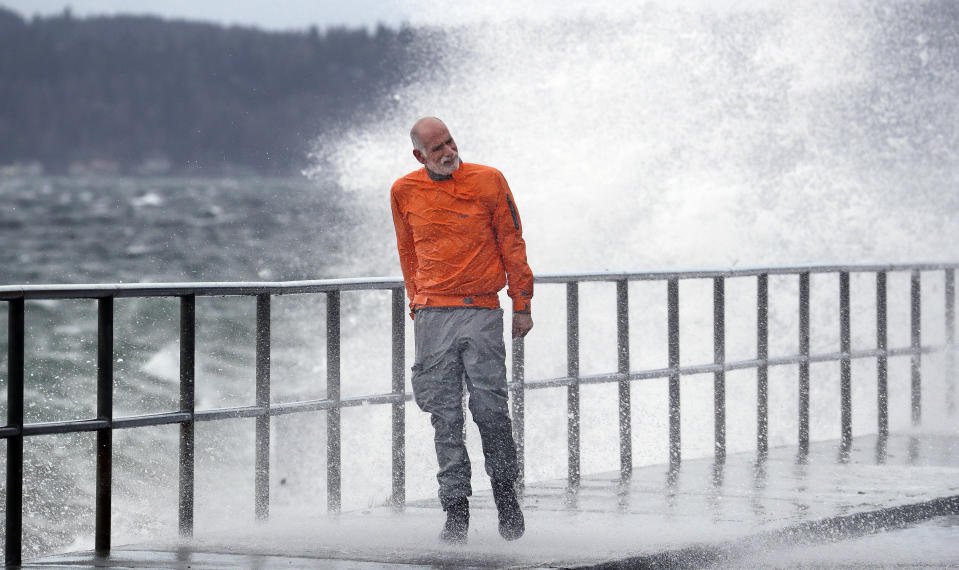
511,523
457,521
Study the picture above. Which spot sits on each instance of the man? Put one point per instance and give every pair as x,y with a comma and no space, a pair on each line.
460,241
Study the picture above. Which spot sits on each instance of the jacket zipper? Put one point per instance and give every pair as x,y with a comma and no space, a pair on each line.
512,211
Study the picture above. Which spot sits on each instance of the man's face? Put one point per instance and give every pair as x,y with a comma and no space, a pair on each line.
439,152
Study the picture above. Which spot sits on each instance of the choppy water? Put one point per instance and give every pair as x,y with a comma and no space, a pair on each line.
61,230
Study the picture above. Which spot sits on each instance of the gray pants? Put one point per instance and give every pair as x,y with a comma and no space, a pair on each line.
454,345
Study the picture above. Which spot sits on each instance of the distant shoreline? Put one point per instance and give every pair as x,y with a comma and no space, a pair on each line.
144,95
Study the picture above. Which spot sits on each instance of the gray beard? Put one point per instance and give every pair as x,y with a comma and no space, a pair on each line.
446,171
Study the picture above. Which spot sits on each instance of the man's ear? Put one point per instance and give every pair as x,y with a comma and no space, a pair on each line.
419,156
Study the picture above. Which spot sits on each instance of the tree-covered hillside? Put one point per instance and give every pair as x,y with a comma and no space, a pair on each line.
142,94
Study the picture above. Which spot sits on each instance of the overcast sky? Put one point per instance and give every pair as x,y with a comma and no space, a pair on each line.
301,14
268,14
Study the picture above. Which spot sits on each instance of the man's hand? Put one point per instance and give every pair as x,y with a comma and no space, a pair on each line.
522,323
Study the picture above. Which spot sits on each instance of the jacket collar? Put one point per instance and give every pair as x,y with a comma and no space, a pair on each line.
437,177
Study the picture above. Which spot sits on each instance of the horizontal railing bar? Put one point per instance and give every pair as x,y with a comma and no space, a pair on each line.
651,374
377,399
752,363
740,272
324,404
213,289
298,407
728,366
700,369
94,291
65,427
601,378
320,405
229,413
294,407
927,349
151,420
205,415
550,383
75,426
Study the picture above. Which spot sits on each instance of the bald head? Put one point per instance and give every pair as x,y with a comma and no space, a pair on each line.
422,128
433,146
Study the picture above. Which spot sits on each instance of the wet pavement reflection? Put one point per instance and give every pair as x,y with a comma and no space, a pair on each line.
691,513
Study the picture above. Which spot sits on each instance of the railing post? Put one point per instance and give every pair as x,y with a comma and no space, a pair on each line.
804,365
572,391
762,371
333,395
518,395
916,321
845,366
719,377
262,460
882,360
951,341
13,532
399,392
188,405
625,401
104,489
672,318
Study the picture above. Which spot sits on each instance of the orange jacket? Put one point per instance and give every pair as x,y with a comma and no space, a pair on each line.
460,239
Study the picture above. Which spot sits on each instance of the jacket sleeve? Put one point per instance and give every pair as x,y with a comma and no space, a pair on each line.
512,247
404,245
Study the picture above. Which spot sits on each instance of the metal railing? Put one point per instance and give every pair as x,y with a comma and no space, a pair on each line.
263,409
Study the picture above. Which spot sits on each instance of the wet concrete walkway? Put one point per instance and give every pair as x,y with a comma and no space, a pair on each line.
694,516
